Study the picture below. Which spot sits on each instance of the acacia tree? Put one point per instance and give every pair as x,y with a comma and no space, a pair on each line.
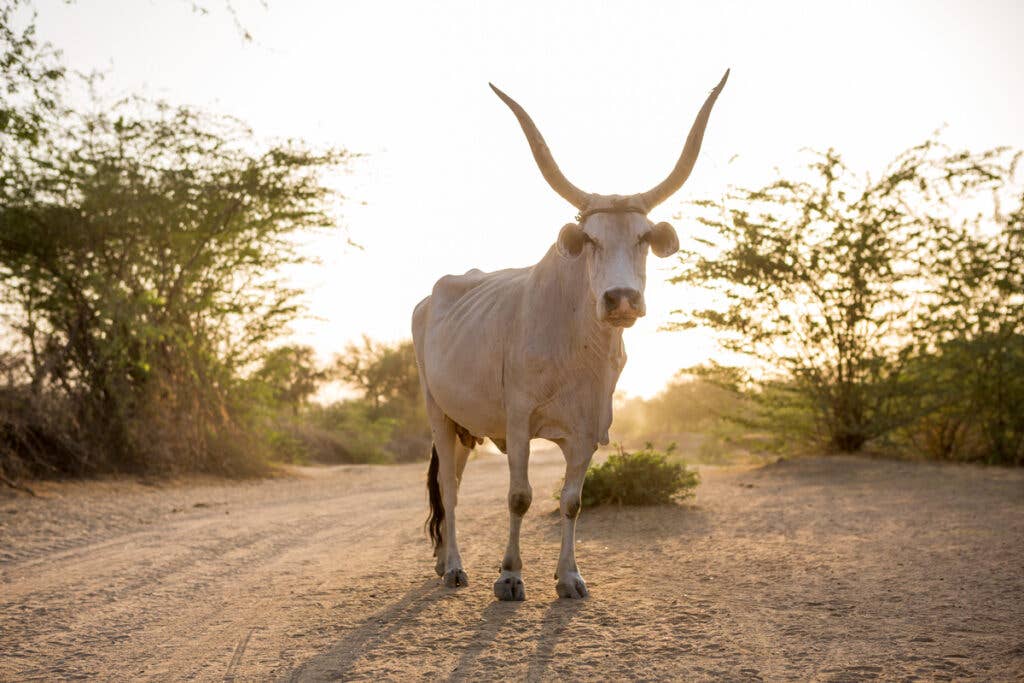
382,372
30,81
819,282
976,362
139,249
292,375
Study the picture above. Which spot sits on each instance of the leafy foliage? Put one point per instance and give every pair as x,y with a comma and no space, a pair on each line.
290,375
386,423
384,373
974,366
142,248
820,282
138,249
387,376
30,78
341,432
644,477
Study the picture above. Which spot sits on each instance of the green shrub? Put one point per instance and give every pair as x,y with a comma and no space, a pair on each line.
342,432
644,477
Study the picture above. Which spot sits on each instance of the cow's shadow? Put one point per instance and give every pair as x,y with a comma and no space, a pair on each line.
337,662
622,527
556,621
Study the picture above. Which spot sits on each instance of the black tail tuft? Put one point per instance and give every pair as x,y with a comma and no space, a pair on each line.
436,516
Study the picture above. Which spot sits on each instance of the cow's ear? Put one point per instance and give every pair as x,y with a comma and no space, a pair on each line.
571,240
663,240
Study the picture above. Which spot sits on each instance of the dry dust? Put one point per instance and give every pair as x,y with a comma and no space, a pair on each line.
811,569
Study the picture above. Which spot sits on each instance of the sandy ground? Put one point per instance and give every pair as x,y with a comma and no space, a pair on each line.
810,569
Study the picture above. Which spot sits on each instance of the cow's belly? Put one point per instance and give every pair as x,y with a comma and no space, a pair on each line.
463,372
480,414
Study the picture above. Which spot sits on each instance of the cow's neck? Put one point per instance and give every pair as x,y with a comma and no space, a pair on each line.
562,291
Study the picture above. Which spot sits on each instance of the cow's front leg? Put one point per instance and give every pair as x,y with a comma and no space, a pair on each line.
577,459
509,585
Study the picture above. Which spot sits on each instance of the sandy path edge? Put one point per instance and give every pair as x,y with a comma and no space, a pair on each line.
813,569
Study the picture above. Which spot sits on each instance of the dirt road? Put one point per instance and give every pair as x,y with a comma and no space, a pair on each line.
816,569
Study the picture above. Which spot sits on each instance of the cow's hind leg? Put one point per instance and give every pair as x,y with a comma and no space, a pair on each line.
577,459
509,585
462,454
443,489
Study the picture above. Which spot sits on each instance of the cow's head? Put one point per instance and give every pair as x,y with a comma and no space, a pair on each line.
613,232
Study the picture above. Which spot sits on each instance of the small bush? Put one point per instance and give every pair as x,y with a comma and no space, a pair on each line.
644,477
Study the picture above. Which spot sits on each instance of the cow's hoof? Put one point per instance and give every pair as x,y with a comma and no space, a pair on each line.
572,586
509,587
455,578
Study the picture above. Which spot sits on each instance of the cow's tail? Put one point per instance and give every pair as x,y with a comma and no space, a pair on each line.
436,517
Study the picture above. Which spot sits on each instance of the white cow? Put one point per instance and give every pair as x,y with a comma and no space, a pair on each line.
536,352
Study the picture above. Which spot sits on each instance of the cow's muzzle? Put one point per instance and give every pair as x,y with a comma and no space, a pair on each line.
622,306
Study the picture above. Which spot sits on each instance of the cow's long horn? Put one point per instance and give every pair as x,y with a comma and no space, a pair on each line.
688,158
542,155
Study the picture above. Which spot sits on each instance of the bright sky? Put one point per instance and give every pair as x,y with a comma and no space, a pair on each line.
448,182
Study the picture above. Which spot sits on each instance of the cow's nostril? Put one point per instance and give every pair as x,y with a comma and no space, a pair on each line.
621,297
